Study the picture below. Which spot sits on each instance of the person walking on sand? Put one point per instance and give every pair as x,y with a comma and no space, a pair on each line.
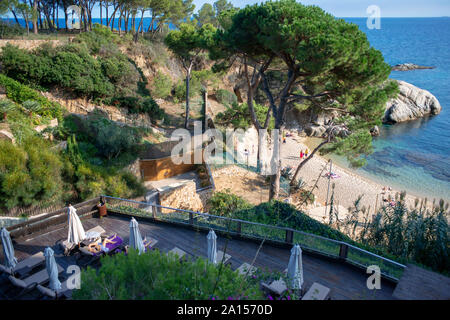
306,152
301,154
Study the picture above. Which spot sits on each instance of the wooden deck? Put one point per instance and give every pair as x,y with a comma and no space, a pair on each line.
418,283
345,281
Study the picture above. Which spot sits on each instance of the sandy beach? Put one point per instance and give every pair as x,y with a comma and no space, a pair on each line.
348,185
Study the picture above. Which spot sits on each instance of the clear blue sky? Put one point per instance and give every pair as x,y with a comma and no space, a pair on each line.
357,8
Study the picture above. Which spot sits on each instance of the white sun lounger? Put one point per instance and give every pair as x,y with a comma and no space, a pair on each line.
220,257
68,247
246,268
317,292
278,287
177,251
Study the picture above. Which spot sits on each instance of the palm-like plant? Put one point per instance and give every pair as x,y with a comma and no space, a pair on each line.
32,106
5,106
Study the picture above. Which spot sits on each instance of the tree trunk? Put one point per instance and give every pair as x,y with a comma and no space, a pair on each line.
120,23
15,17
107,14
276,161
66,17
300,166
35,26
126,21
57,16
186,120
101,13
141,25
27,27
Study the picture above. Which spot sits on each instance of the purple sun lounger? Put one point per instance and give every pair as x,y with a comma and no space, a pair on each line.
111,248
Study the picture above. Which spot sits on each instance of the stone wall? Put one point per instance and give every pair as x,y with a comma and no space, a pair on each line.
183,197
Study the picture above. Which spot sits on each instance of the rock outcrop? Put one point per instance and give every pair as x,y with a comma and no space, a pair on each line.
411,103
6,133
409,66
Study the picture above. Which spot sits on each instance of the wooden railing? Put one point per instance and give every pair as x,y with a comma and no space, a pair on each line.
338,250
56,217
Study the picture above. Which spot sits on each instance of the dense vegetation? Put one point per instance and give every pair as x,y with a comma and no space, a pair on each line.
35,171
238,116
29,173
403,234
155,275
91,66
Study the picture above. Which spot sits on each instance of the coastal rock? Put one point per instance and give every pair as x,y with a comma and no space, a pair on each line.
375,131
315,131
322,119
411,103
7,135
408,67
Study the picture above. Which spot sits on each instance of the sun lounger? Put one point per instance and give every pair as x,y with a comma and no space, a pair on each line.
95,232
177,251
149,243
25,266
220,257
277,287
63,292
68,247
32,281
245,268
95,256
110,247
317,292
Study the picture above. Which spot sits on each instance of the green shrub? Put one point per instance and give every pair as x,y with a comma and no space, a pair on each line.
20,93
29,174
226,97
162,86
100,38
226,204
156,276
5,107
238,116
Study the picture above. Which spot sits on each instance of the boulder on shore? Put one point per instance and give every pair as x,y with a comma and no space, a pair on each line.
409,66
411,103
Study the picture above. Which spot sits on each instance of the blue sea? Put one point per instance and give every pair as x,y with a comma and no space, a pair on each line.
412,156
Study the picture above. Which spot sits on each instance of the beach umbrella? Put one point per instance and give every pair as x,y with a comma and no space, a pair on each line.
76,231
8,249
212,246
52,269
295,268
135,237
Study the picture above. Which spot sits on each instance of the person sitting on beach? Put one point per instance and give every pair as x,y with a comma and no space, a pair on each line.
97,246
